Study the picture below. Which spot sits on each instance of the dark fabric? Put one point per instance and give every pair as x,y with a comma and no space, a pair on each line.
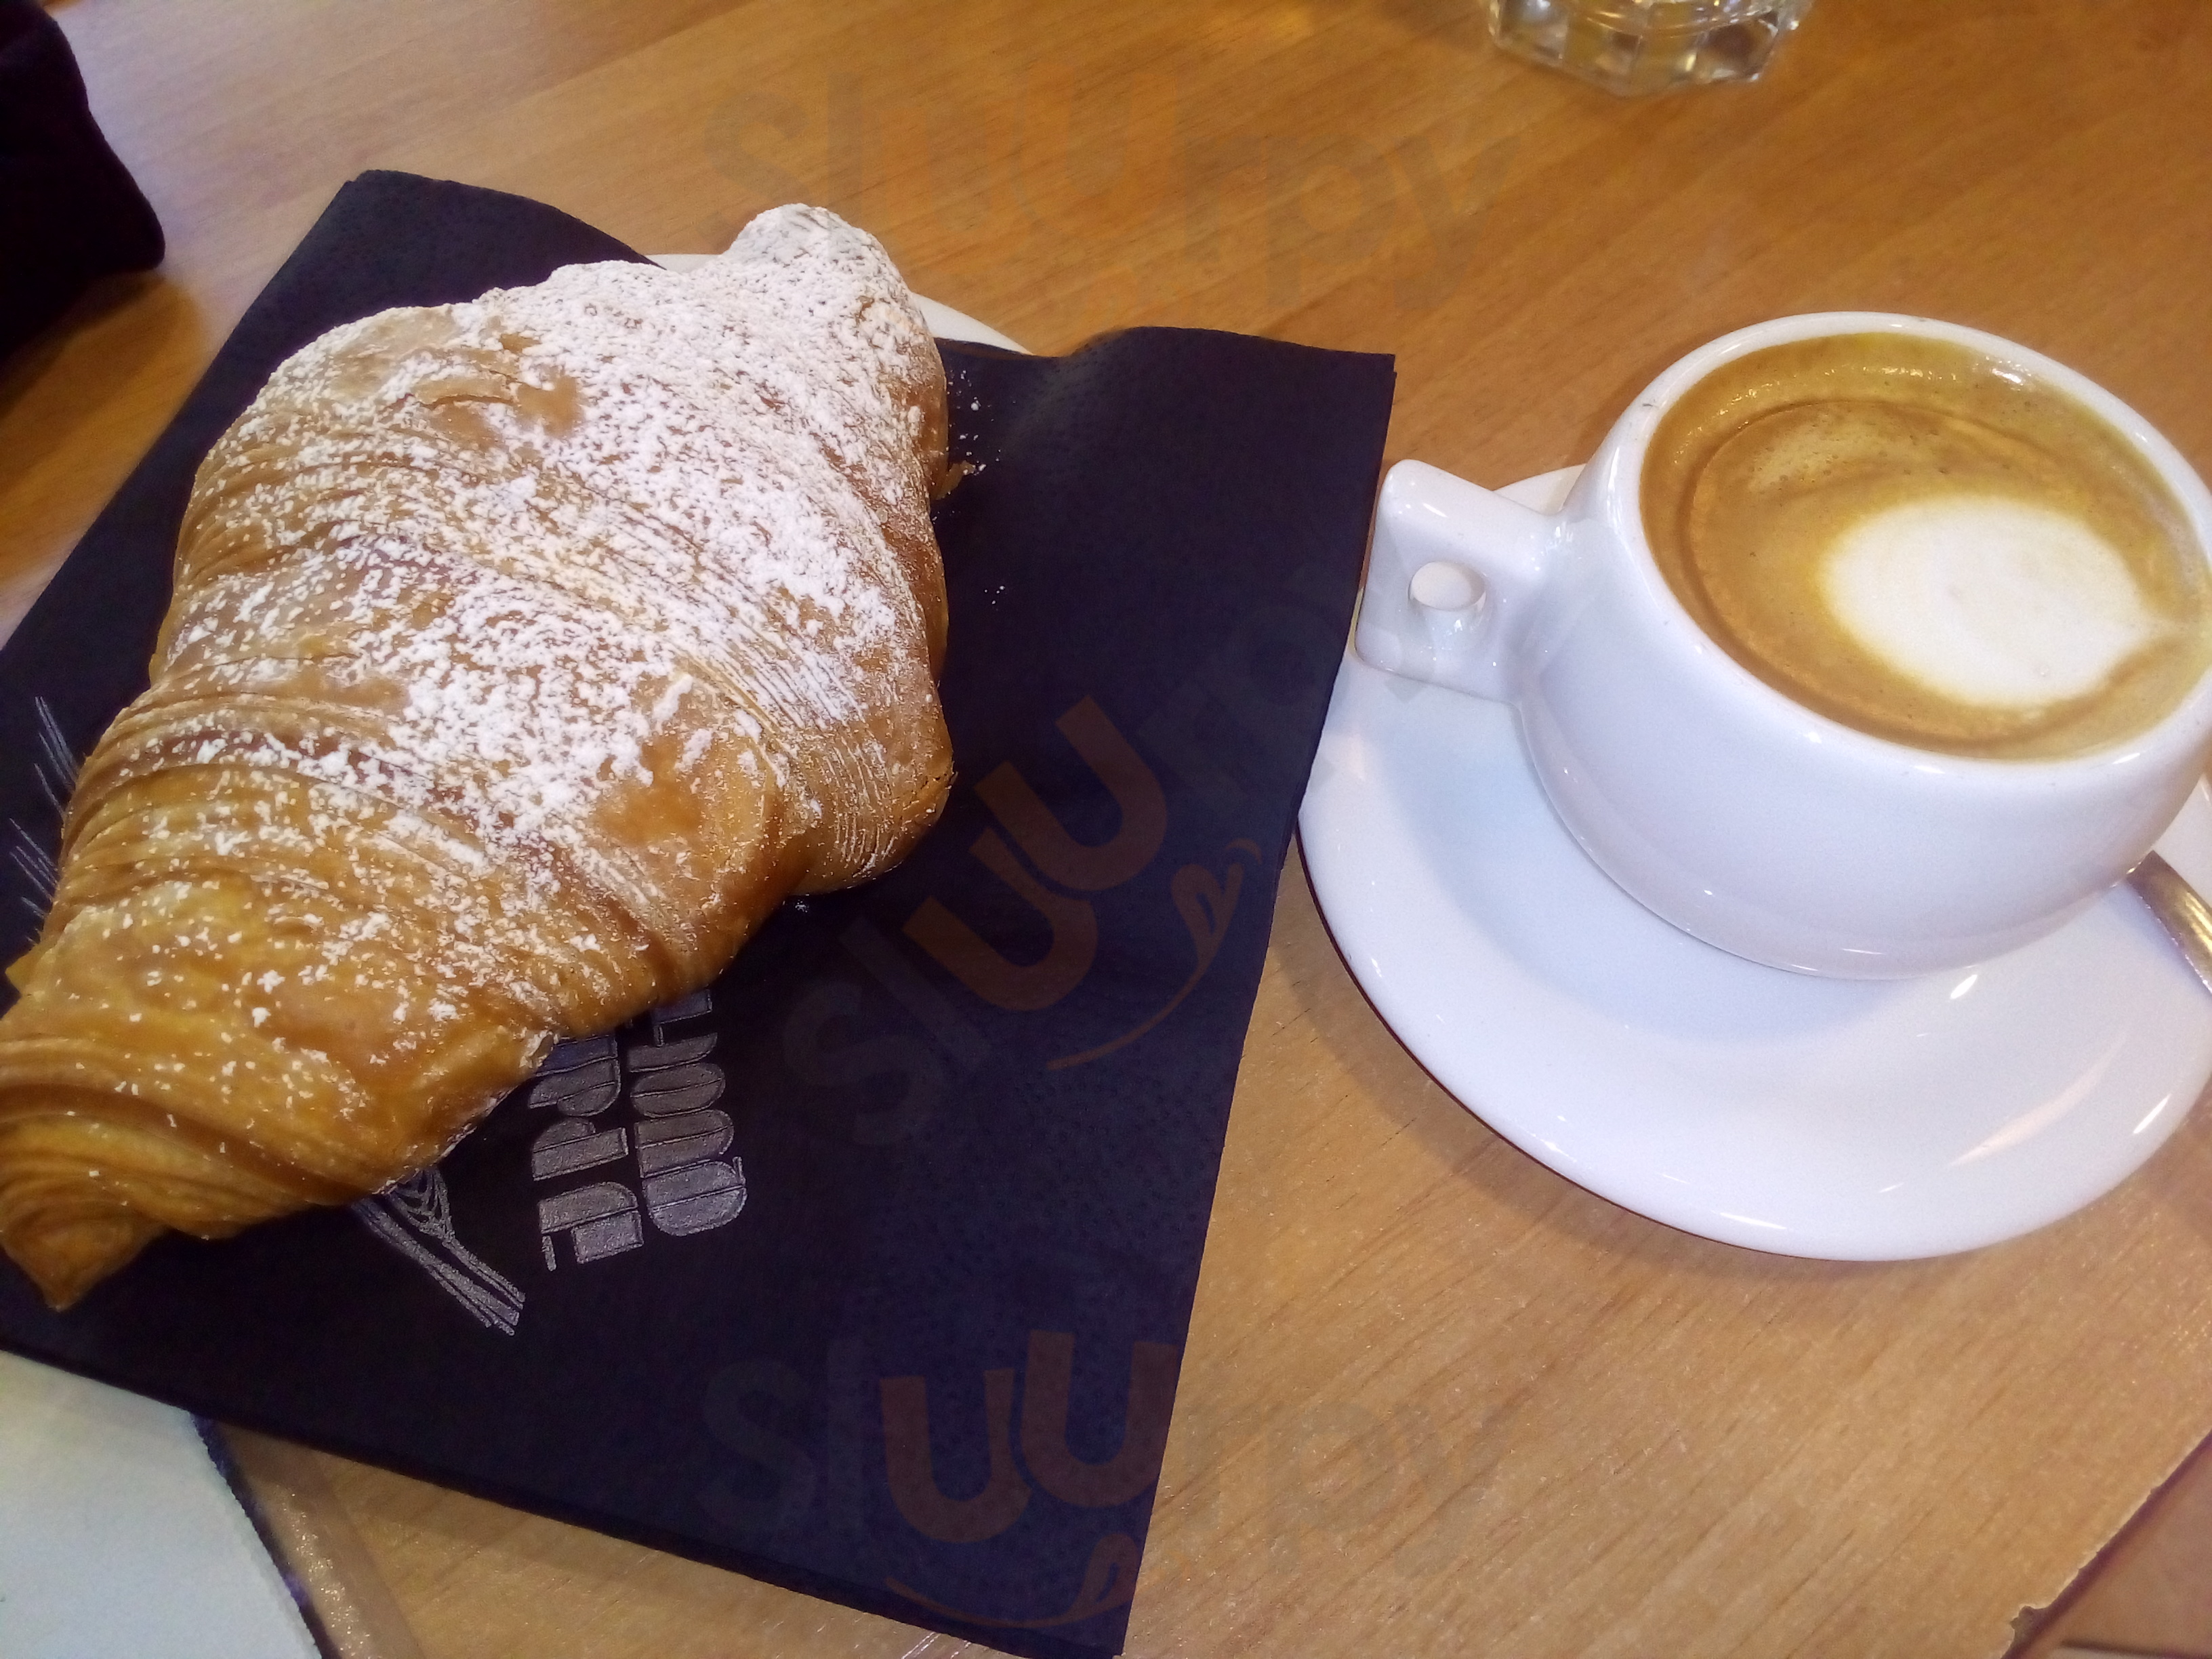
69,214
868,1272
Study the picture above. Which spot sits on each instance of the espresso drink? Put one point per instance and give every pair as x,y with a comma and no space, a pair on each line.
1920,542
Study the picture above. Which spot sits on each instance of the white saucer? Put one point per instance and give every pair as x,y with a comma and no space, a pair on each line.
1805,1116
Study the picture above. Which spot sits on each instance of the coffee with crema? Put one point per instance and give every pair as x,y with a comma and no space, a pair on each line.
1929,545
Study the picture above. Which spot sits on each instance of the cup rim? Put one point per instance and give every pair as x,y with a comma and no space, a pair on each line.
2185,727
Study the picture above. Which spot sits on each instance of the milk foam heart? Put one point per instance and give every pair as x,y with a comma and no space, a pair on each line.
1999,604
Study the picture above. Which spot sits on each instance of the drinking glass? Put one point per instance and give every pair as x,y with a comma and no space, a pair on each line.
1637,47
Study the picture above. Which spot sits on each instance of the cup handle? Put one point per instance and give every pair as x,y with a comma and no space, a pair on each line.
1451,578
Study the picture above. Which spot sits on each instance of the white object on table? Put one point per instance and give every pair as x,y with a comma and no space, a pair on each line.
120,1536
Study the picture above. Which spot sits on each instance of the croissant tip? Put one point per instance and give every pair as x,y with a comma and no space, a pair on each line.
66,1261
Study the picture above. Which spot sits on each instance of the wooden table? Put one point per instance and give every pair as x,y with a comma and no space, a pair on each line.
1437,1399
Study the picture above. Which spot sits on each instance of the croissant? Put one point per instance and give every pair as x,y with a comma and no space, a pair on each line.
524,655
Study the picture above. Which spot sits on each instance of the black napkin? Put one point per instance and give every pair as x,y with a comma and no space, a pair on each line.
69,212
868,1271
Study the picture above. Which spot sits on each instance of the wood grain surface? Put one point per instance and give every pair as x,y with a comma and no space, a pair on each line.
1437,1399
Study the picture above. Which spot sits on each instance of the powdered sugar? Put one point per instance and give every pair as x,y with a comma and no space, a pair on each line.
718,518
552,520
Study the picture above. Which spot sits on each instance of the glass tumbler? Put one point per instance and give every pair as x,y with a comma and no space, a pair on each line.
1636,46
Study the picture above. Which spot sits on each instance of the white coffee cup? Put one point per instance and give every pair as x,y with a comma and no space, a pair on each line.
1720,803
